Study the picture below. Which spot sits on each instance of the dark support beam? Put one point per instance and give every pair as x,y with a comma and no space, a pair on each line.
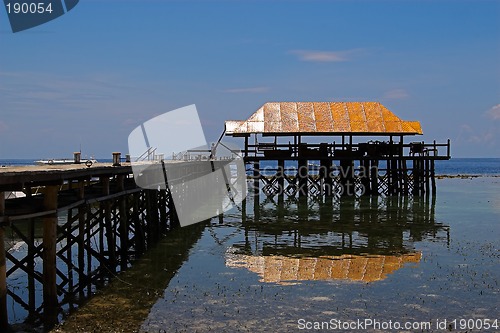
123,228
31,269
325,173
3,272
416,177
303,175
365,176
433,178
347,177
427,175
50,302
81,236
246,146
256,190
404,178
374,174
281,177
108,225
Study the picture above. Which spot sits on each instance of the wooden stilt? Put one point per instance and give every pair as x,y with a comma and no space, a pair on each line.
326,176
81,237
123,224
50,302
395,176
31,269
139,232
256,177
69,256
256,190
374,174
303,175
433,178
108,225
281,177
365,176
4,323
281,181
404,176
416,177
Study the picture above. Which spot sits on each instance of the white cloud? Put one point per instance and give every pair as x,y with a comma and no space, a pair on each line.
468,134
252,90
494,112
396,94
325,56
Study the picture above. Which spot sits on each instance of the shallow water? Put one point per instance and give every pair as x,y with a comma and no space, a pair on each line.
284,266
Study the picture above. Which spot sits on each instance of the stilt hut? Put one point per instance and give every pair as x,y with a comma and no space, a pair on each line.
362,149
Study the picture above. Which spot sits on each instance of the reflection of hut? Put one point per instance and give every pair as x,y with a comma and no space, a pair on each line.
409,166
280,269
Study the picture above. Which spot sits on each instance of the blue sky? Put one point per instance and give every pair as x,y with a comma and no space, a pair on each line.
94,74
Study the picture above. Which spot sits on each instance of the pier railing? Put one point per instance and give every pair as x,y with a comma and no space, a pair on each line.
339,151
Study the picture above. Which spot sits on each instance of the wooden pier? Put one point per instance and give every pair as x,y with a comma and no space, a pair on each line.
81,225
361,150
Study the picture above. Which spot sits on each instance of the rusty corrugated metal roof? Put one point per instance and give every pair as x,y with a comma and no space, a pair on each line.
342,118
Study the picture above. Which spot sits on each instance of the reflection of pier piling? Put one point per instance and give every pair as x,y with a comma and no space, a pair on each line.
326,238
369,225
351,167
109,222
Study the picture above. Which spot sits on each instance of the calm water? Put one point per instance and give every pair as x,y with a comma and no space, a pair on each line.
281,266
274,266
455,166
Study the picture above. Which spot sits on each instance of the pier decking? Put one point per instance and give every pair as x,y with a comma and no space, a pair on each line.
108,222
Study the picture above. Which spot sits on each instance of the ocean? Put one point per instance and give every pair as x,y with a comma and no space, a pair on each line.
376,264
453,167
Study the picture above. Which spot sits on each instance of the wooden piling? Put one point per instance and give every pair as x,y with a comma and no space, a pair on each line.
365,176
303,175
404,177
256,177
4,323
31,269
108,226
427,175
123,228
347,177
416,177
374,174
50,302
281,177
433,178
326,175
81,237
256,189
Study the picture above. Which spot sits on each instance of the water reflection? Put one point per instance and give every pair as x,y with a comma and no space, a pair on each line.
358,239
